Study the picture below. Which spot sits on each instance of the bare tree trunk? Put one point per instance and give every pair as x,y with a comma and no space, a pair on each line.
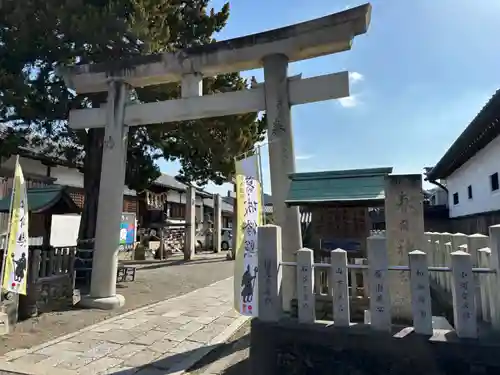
91,183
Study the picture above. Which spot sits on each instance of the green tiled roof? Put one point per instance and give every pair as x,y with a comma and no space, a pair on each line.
53,198
338,186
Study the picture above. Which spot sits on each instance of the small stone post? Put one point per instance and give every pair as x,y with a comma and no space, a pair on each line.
217,236
420,292
269,275
305,286
443,259
427,236
463,288
380,299
428,246
448,249
434,246
495,278
474,243
485,284
354,282
366,284
457,242
190,234
340,289
404,217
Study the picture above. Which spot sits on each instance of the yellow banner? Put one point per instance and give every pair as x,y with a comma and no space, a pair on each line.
249,217
16,259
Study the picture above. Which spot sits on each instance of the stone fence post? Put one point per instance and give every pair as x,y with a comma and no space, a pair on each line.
305,286
448,249
474,243
443,258
495,278
458,243
428,248
340,288
378,279
434,256
463,289
269,275
485,284
420,292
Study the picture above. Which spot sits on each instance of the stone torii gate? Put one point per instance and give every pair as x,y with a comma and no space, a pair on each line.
272,50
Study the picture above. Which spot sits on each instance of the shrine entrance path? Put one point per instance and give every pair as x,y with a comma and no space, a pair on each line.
154,283
167,337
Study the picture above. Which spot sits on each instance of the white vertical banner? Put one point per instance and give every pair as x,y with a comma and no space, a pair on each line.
249,217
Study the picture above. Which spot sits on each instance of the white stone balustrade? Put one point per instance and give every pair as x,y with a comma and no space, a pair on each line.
478,246
470,268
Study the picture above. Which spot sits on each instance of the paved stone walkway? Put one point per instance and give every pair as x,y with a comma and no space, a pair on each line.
165,338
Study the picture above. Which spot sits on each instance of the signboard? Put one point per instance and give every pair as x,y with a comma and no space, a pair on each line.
127,231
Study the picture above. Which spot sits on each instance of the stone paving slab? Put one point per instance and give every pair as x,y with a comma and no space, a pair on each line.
164,338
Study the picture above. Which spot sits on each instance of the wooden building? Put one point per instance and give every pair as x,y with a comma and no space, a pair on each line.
165,198
339,203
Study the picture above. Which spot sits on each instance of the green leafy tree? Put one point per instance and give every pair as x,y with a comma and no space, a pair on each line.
39,36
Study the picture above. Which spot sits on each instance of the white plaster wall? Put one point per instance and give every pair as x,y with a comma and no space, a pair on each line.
476,172
439,197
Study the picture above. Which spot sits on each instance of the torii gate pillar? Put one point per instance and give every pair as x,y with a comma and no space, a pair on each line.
282,162
105,258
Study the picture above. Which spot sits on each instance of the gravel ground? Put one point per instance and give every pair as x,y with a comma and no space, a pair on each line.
153,283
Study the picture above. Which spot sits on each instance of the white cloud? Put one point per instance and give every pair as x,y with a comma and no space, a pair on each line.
349,102
355,77
304,157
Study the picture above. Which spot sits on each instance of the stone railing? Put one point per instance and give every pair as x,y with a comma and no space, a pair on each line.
461,276
482,251
358,290
356,277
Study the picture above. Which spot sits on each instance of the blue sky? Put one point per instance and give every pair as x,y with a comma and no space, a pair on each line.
418,77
